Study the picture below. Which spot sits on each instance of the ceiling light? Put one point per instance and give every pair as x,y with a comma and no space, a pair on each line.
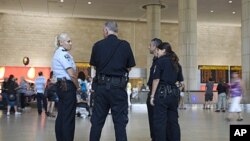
89,2
211,11
61,0
230,1
234,12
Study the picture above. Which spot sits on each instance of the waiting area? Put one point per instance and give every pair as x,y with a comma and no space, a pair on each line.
196,125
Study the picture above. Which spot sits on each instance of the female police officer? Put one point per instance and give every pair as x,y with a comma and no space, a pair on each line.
64,69
165,94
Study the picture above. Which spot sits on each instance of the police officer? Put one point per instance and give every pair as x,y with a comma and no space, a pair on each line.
112,59
165,94
64,70
152,50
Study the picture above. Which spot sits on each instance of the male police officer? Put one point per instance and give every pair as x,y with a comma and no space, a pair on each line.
152,50
112,59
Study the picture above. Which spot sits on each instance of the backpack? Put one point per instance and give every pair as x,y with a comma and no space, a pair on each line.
83,87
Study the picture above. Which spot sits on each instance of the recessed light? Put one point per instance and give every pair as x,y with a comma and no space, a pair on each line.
211,11
233,12
61,0
89,2
230,1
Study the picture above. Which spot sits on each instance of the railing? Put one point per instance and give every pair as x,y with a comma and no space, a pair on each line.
141,98
191,97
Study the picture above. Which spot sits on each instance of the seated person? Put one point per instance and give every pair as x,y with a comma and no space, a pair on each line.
82,105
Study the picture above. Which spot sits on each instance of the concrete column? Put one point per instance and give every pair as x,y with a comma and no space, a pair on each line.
245,48
153,14
188,42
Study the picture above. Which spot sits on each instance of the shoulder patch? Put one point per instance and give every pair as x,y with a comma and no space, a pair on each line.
154,69
66,56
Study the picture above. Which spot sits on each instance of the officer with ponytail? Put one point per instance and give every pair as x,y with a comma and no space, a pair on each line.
64,69
165,94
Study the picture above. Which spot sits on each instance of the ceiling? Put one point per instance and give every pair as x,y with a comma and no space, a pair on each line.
124,9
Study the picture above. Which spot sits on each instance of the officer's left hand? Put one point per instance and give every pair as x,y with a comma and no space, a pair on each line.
152,101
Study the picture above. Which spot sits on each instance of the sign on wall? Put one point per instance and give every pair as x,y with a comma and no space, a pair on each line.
217,73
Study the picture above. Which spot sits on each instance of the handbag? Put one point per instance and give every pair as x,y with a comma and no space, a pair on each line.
11,97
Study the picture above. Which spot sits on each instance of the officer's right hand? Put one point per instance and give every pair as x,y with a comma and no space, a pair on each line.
152,101
78,89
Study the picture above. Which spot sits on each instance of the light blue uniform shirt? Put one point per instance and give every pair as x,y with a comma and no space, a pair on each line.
40,83
62,60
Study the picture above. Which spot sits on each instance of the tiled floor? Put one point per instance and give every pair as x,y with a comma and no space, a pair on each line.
196,125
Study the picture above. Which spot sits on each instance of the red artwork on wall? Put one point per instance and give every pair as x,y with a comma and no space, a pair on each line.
29,73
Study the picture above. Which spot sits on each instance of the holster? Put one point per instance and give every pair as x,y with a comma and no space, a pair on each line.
164,90
112,81
62,84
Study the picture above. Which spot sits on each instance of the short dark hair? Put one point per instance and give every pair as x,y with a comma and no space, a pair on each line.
81,75
156,41
10,77
40,73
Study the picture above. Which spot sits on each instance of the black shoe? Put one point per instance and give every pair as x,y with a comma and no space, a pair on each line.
223,110
239,119
78,115
217,110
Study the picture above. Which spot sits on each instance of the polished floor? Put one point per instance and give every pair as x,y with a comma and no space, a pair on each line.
196,125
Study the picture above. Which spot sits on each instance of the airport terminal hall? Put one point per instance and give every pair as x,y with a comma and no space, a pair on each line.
124,70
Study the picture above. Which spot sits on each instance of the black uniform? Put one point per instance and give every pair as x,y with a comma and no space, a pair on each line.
165,115
149,106
111,83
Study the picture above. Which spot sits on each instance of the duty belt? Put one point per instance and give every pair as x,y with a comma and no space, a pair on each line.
164,90
63,83
113,81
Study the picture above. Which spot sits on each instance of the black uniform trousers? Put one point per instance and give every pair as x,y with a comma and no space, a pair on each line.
150,120
150,116
22,100
65,121
115,99
165,118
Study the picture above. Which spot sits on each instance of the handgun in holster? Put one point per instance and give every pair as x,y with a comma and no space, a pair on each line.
165,90
162,91
63,84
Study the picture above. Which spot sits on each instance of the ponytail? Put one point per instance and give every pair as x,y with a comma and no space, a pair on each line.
174,60
170,53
